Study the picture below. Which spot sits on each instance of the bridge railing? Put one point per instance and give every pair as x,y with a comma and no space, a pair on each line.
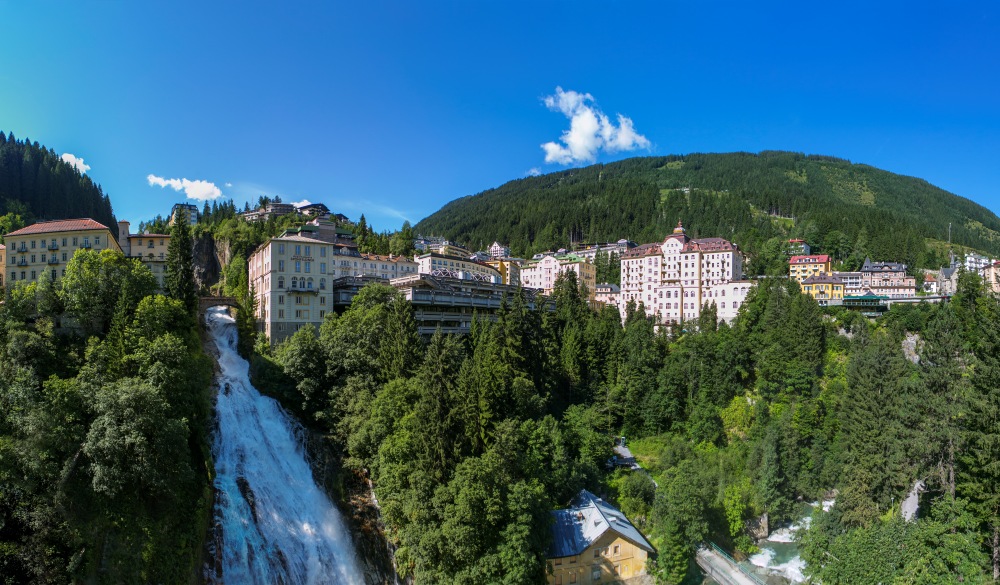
743,569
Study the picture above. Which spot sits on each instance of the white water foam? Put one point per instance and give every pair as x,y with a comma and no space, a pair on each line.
277,525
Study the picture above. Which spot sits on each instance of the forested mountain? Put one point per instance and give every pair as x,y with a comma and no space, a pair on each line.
36,184
757,200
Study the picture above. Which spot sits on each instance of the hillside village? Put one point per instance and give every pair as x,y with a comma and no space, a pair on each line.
300,276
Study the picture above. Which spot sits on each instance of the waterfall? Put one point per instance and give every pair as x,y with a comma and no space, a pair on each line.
276,525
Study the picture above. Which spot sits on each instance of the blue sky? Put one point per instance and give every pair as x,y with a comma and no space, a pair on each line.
393,109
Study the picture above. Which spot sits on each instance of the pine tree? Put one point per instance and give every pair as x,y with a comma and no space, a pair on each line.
179,279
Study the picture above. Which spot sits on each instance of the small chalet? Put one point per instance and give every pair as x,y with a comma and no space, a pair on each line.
593,542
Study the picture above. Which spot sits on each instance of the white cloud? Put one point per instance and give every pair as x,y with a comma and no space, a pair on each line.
590,130
229,184
75,162
534,172
301,203
200,190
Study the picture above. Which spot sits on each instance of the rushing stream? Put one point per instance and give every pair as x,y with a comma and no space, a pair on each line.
276,524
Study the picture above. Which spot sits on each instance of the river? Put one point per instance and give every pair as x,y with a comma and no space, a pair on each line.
273,523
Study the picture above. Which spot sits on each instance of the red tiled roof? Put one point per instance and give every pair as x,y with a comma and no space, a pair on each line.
815,259
59,225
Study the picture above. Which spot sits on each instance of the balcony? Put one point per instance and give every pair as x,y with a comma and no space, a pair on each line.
53,260
85,245
22,262
53,246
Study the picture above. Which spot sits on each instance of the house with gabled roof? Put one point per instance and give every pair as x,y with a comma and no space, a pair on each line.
593,542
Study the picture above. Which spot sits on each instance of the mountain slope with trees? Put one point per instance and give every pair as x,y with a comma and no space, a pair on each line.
36,184
757,200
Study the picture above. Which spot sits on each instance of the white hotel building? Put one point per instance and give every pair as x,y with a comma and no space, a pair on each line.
675,279
292,275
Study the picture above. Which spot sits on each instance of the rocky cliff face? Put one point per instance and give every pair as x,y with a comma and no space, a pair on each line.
209,258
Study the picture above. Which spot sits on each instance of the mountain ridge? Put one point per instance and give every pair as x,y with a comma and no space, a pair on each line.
839,207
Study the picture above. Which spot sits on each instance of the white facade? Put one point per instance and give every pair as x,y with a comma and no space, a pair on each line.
675,279
542,274
977,262
457,267
498,250
291,277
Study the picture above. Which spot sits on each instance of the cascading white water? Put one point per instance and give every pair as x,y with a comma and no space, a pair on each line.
277,525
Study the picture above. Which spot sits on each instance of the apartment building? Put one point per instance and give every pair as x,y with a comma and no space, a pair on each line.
542,274
826,289
498,250
509,269
291,276
49,245
590,251
454,266
887,279
676,278
606,293
852,282
150,249
802,267
186,212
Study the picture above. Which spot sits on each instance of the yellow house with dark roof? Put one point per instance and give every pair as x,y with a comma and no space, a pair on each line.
593,542
827,290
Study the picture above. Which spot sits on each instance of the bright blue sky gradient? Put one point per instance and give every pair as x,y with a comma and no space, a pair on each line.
395,109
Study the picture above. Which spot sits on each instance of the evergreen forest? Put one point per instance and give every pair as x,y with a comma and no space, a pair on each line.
470,441
36,184
757,201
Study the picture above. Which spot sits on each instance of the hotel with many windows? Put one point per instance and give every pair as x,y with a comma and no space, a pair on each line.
292,276
47,246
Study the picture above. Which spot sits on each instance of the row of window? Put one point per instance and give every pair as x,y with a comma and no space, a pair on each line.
53,245
34,275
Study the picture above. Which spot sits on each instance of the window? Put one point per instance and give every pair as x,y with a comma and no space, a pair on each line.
32,244
307,251
572,577
322,284
281,313
322,267
281,282
618,549
298,266
618,570
75,241
298,250
281,265
64,242
281,299
308,266
97,240
281,248
595,574
322,252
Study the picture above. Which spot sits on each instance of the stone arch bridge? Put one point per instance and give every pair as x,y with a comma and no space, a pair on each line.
205,303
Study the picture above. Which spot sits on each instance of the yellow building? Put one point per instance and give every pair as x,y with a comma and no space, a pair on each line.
49,245
593,542
150,249
510,272
802,267
827,290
